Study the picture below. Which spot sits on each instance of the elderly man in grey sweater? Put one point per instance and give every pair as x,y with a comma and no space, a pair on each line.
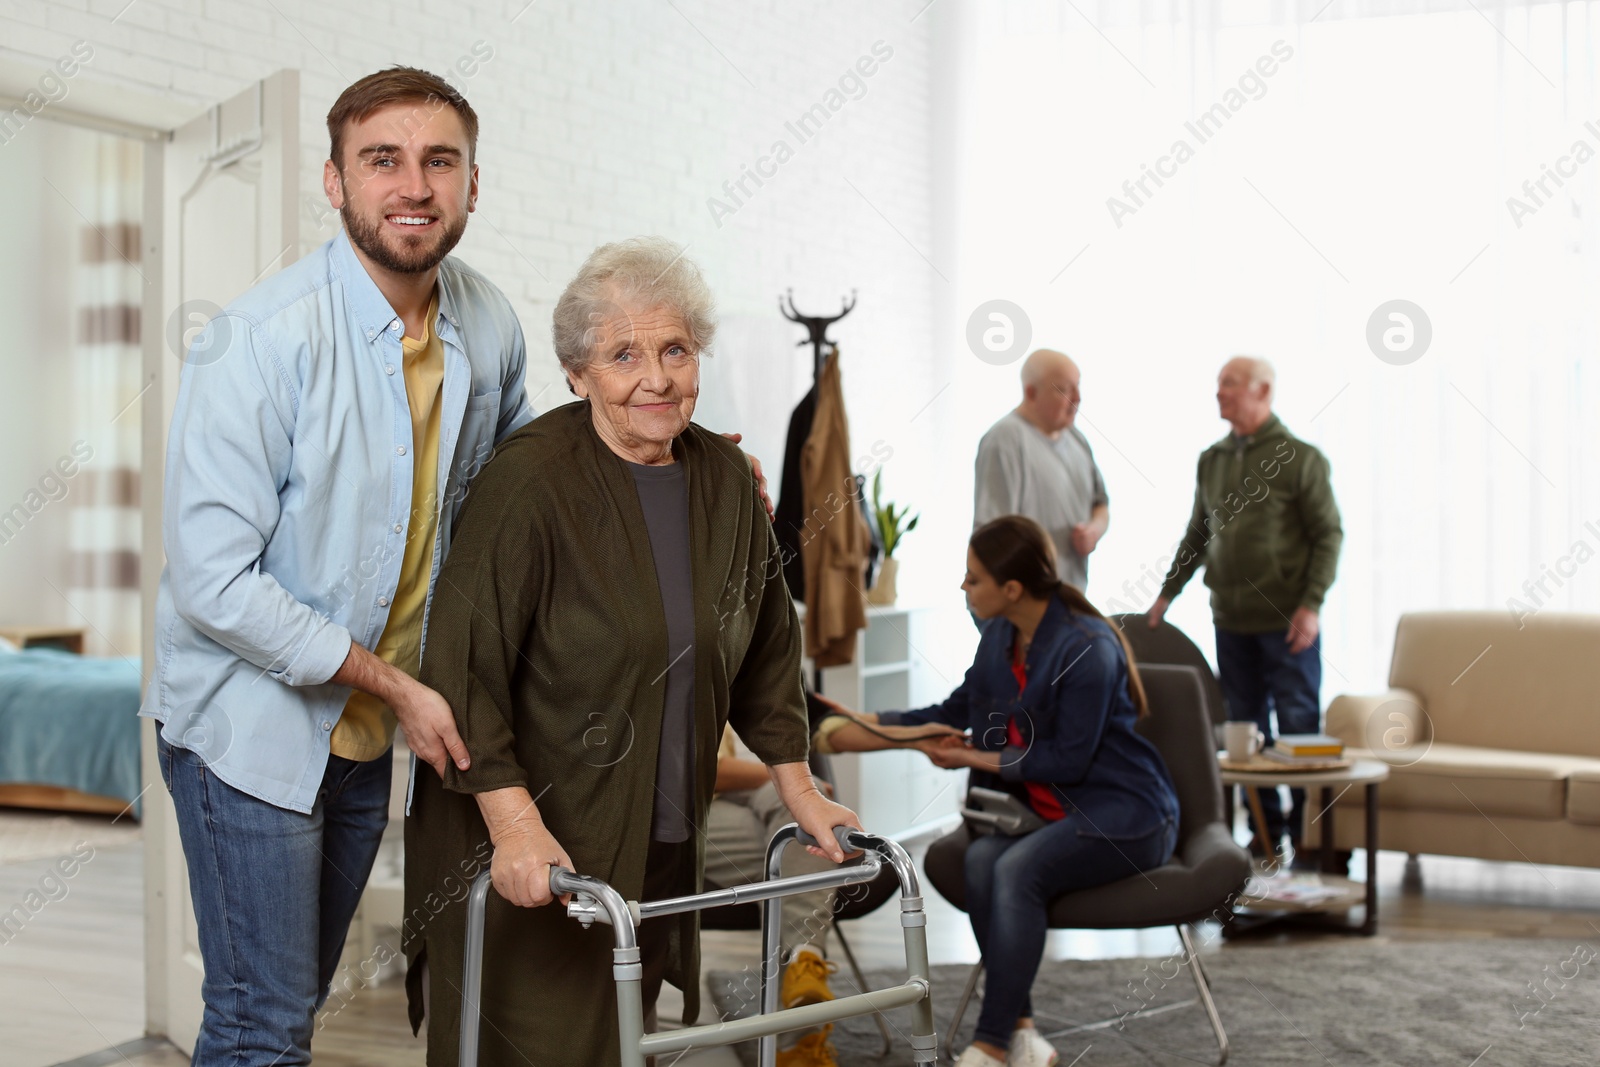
1035,462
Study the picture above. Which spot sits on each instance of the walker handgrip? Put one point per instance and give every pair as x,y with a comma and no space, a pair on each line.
559,882
841,834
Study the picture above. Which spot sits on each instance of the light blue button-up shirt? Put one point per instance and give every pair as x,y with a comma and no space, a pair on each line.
288,499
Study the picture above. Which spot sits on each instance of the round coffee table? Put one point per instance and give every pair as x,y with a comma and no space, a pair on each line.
1333,785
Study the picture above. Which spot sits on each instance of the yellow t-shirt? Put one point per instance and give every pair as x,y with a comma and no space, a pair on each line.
366,729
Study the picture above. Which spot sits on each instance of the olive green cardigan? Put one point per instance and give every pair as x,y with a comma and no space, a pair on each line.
547,637
1265,527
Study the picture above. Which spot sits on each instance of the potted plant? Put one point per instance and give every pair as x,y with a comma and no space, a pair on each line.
893,524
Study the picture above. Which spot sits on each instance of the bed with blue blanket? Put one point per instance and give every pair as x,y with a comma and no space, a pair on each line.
69,730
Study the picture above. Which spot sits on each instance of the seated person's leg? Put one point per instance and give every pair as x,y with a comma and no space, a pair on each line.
738,827
736,850
979,863
1060,858
807,917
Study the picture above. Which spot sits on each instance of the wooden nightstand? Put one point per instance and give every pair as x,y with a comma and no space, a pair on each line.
66,638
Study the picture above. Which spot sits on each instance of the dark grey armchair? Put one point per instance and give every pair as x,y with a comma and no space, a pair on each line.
1201,881
1169,645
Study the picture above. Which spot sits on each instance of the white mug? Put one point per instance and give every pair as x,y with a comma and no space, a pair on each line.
1242,740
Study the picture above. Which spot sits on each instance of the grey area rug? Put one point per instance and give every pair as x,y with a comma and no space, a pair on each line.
1462,1003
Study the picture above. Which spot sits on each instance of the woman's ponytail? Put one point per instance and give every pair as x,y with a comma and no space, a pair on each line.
1075,601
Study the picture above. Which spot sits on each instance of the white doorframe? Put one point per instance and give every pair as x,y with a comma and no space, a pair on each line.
160,837
172,965
245,147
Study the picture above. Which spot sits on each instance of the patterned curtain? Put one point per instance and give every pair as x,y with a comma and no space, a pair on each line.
103,548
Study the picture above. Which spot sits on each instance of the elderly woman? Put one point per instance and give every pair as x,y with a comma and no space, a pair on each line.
612,598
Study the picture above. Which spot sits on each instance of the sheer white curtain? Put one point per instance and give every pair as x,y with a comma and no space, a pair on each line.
1335,161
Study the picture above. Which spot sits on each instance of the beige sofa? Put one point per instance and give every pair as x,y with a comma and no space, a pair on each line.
1491,729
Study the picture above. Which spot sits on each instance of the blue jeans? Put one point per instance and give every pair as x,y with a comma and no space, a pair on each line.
1259,676
1010,884
274,892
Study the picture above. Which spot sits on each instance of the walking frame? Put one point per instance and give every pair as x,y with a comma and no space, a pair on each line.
595,901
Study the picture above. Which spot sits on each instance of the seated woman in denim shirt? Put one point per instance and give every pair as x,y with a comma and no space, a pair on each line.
1051,701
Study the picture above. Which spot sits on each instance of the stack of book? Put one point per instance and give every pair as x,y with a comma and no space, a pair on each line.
1304,748
1302,891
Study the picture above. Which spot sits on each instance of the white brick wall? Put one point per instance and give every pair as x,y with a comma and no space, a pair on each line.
604,120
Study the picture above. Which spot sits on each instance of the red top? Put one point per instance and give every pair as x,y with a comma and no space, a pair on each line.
1041,796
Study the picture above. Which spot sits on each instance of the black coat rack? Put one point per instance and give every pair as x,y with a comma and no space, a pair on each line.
821,345
817,327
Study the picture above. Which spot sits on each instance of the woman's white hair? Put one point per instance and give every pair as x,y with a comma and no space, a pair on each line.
641,272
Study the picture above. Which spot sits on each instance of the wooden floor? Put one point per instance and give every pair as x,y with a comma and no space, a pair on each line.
71,978
71,982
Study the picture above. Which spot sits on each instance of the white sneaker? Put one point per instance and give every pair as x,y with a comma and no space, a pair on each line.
1028,1049
976,1057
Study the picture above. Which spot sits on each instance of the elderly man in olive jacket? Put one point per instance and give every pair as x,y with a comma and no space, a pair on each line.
1266,528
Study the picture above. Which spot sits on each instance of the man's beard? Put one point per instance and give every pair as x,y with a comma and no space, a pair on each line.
411,259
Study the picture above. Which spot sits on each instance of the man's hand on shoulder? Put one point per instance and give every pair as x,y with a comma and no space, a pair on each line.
761,479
